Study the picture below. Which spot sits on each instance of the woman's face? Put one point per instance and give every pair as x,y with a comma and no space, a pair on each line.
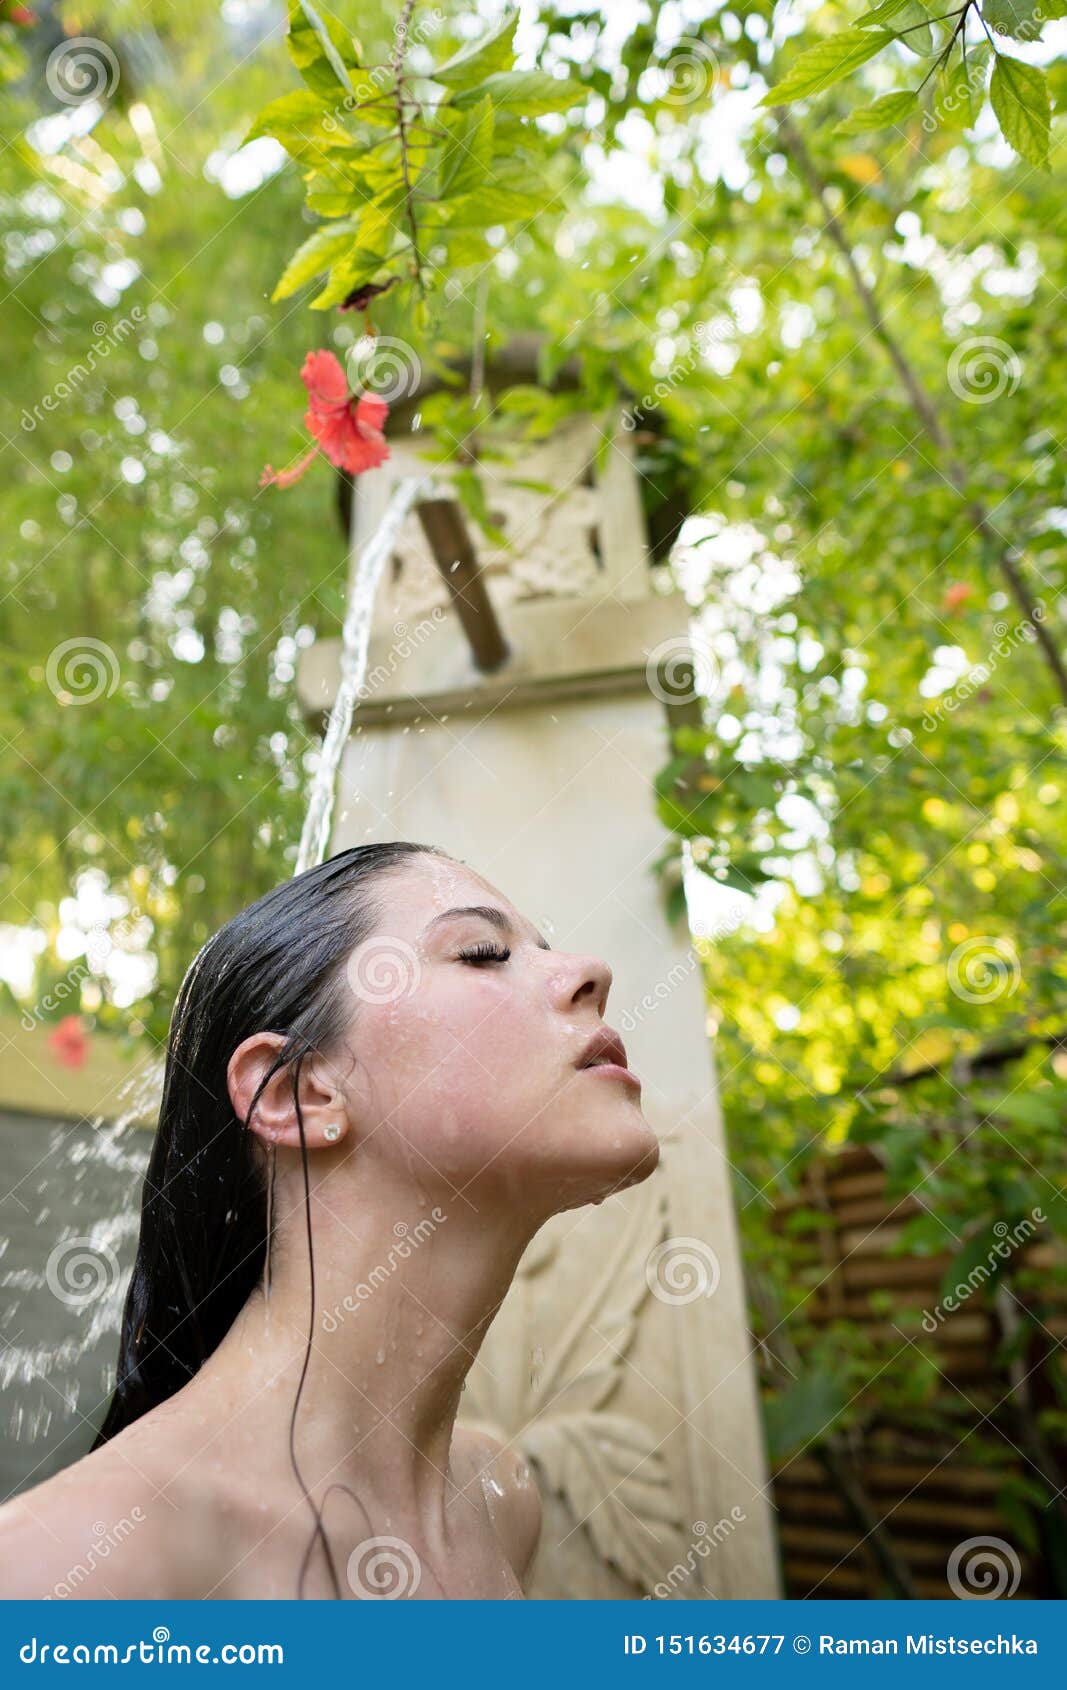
467,1035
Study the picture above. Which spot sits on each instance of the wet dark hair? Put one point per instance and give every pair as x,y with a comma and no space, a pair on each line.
277,967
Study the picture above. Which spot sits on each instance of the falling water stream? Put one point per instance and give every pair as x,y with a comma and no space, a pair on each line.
56,1376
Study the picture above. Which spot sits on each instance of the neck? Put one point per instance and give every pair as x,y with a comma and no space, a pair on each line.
405,1288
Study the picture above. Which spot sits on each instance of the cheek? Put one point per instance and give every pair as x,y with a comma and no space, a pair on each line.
451,1083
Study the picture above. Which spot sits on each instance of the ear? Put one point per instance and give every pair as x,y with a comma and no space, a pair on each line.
322,1103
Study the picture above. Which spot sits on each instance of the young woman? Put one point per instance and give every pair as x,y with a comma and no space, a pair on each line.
382,1067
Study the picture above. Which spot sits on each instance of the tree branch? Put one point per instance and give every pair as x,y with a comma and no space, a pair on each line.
923,406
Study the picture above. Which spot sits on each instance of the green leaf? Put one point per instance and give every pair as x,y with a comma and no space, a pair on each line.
467,155
804,1411
1026,1109
350,271
1019,96
525,93
961,93
911,27
318,252
491,204
1021,19
1053,1206
886,110
976,1266
493,53
471,489
882,14
826,63
306,128
321,49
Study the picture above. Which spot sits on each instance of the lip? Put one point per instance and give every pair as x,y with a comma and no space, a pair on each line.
615,1070
605,1043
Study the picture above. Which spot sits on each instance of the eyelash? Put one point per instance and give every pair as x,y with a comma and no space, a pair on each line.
486,951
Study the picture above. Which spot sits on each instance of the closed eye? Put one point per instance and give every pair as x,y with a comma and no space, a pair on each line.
486,951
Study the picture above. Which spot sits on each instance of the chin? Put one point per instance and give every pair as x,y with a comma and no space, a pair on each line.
626,1157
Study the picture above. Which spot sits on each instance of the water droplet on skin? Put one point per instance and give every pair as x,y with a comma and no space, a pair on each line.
380,1357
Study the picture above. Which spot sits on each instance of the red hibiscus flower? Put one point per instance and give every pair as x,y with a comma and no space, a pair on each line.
955,596
347,426
69,1042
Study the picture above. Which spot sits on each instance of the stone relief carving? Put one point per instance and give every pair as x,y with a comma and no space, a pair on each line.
547,508
545,1382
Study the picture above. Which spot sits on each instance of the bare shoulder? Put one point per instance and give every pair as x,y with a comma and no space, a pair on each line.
86,1532
509,1488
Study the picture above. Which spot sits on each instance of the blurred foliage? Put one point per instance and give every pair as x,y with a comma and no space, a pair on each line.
839,339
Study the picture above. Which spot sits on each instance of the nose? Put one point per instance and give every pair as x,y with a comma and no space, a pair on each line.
588,977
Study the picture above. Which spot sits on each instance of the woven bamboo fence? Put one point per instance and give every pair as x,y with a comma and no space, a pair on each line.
928,1498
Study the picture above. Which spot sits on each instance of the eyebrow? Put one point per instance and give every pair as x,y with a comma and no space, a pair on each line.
487,912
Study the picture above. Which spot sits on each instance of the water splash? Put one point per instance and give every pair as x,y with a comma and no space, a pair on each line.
355,637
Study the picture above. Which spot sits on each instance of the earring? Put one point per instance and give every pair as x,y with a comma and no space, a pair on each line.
332,1132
